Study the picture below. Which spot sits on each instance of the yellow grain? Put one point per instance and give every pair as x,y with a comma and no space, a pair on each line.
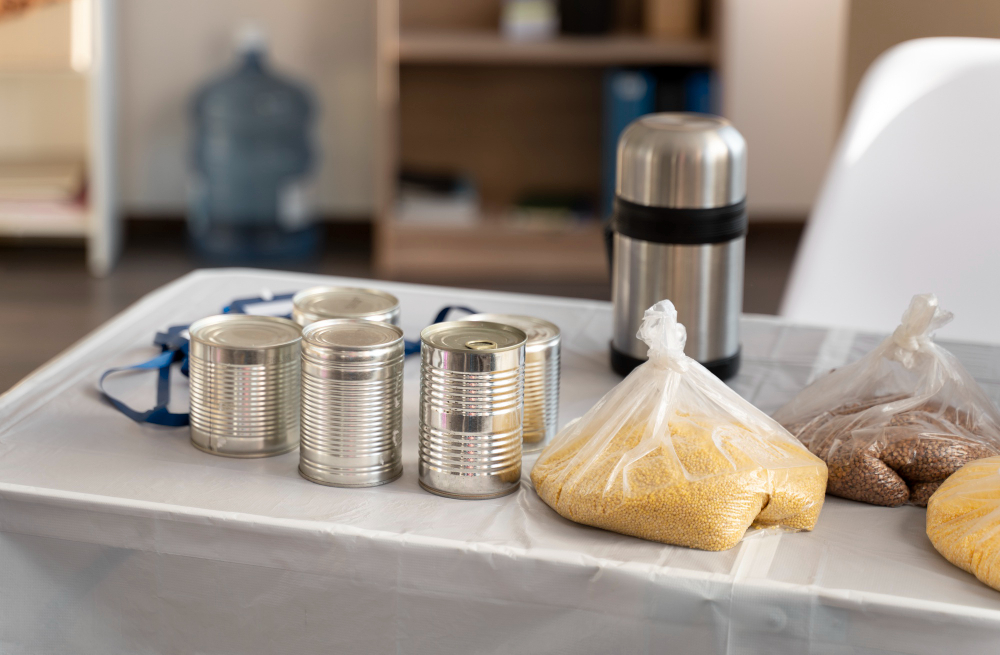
702,485
963,519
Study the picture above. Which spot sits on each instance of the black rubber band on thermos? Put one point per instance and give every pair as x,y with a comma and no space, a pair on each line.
681,226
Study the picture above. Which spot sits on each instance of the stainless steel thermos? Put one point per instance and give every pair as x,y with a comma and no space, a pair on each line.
678,231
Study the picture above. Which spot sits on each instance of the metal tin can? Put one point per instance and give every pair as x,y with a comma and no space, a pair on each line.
541,376
322,303
352,403
471,409
245,384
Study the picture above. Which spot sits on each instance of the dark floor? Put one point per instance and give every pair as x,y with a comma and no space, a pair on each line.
47,300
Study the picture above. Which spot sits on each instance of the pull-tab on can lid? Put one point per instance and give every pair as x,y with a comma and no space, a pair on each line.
682,160
473,337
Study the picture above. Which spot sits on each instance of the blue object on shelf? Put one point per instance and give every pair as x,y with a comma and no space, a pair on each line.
628,94
698,92
252,154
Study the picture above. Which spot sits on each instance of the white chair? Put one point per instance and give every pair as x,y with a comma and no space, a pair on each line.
911,203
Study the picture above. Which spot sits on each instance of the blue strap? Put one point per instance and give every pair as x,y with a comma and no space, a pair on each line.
240,305
175,349
413,347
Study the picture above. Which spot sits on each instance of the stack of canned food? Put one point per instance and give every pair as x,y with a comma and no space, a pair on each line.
330,381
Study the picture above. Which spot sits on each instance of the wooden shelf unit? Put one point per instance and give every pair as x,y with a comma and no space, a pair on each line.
47,89
489,48
492,251
517,117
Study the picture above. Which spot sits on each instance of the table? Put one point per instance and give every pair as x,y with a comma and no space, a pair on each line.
117,537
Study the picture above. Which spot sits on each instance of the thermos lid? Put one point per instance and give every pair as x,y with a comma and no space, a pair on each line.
682,160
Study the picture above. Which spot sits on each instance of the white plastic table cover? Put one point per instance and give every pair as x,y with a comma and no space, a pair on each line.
117,537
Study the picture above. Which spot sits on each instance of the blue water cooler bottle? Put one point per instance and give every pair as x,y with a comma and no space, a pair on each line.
252,156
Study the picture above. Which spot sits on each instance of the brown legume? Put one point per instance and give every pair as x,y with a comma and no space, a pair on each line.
892,459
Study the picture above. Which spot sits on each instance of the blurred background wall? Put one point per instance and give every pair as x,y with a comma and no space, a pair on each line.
877,25
787,68
782,66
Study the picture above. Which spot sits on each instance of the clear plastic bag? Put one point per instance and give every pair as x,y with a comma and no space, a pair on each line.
674,455
963,519
893,425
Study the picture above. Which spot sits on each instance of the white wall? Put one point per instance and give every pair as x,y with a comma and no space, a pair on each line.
167,49
782,69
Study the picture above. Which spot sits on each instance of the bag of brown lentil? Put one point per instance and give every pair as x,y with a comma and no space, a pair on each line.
674,455
895,424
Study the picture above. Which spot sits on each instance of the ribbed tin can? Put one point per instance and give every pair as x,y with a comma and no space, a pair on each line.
471,409
352,403
244,373
541,376
322,303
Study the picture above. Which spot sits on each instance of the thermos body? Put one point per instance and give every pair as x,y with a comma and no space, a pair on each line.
646,272
679,229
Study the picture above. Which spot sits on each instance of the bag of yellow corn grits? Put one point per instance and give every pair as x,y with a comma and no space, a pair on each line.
674,455
963,519
897,422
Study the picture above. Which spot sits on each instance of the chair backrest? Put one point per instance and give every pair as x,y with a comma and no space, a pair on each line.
911,203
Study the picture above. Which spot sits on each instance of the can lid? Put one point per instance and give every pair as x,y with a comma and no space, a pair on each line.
473,337
344,302
539,331
351,341
245,332
682,160
350,334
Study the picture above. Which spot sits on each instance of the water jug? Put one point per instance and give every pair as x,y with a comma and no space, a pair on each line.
252,155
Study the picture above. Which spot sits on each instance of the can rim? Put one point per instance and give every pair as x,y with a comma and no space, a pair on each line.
299,299
309,330
217,319
432,334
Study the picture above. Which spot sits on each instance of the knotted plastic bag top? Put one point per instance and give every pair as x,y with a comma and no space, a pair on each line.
893,425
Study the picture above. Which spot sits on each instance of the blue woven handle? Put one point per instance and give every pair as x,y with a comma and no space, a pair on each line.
174,348
413,347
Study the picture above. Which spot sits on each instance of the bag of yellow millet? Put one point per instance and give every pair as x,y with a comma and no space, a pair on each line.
674,455
963,519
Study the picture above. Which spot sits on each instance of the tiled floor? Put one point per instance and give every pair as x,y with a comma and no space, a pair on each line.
47,300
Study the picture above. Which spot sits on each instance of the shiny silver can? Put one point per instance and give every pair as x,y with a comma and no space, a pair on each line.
352,403
322,303
244,373
541,376
471,409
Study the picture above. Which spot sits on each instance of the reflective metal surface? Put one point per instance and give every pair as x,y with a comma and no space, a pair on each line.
471,409
705,283
691,161
321,303
352,403
245,387
541,376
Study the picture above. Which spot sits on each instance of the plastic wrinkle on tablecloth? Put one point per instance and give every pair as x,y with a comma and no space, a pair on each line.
120,537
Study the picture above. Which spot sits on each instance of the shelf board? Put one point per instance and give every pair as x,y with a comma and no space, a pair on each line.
464,48
40,73
69,222
492,250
